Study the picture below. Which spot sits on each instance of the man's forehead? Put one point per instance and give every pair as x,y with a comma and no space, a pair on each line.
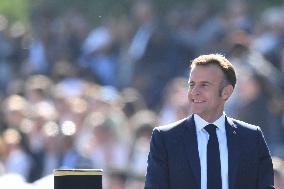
206,73
215,69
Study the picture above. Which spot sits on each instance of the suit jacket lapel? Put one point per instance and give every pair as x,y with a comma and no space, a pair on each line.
191,148
234,149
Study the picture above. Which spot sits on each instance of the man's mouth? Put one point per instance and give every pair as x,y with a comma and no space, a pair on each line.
197,101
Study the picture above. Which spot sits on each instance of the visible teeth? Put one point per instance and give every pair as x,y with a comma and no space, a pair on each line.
197,101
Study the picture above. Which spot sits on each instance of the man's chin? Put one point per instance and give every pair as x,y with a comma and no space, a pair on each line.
196,110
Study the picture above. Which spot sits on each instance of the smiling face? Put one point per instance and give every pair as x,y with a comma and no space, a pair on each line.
207,93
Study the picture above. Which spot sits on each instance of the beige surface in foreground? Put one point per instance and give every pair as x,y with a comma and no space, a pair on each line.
59,172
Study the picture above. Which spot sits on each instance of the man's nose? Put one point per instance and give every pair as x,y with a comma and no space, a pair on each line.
194,90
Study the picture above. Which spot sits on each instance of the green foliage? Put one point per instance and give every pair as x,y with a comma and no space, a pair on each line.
15,10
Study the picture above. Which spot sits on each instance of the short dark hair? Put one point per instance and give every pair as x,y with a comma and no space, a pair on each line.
219,60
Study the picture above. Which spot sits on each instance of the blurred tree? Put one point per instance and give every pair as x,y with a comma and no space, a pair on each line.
15,10
97,10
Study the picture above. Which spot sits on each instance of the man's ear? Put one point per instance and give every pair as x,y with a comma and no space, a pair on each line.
227,92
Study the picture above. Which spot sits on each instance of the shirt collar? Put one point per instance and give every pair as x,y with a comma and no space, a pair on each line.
201,123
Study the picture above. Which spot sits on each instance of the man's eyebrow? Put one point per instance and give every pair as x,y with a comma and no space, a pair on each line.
203,82
206,82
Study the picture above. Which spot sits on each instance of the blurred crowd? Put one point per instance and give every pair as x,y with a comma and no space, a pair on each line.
75,95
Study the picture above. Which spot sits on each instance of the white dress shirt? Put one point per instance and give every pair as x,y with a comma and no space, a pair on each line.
202,140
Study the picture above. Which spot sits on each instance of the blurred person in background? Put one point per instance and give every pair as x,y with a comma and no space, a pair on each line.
6,50
278,168
175,105
116,179
98,57
269,35
252,105
122,30
51,148
78,108
38,89
108,100
66,93
15,110
258,98
182,23
40,113
132,101
106,151
141,125
151,49
3,151
16,159
71,158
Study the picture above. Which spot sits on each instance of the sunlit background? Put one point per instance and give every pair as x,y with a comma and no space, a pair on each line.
84,82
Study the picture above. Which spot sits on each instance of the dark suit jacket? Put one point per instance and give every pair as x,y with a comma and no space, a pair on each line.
173,161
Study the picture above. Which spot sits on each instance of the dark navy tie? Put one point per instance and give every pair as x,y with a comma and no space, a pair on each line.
214,180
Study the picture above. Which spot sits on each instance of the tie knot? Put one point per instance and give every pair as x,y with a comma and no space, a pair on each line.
211,129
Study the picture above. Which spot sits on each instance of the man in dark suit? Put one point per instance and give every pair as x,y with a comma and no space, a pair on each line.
209,150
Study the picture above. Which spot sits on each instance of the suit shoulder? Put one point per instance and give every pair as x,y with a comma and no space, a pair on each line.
245,125
171,126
